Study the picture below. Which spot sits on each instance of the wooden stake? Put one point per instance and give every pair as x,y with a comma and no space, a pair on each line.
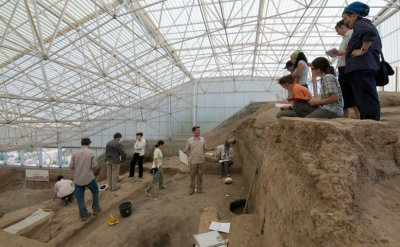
41,184
49,183
27,183
34,184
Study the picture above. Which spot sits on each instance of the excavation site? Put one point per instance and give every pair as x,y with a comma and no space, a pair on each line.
293,182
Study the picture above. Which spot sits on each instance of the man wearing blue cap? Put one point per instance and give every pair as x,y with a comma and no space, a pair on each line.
226,159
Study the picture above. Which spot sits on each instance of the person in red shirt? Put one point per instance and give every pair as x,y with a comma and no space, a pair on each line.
296,92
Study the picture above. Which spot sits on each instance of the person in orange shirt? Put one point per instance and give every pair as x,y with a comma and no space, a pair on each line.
296,91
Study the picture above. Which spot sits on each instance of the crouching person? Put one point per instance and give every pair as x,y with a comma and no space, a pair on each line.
64,189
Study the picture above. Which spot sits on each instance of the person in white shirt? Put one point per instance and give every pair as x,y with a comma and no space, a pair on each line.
140,146
226,158
157,164
64,189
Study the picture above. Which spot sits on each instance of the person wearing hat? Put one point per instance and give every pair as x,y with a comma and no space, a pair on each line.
84,163
363,59
226,159
300,68
289,66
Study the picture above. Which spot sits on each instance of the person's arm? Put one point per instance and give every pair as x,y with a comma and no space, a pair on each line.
140,145
209,149
186,148
155,162
121,151
333,98
231,153
55,196
299,70
340,53
72,162
94,162
363,50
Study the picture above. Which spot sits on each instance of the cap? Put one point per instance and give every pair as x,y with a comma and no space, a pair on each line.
288,64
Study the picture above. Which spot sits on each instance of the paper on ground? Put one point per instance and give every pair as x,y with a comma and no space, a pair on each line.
221,227
36,216
282,105
183,157
208,239
331,52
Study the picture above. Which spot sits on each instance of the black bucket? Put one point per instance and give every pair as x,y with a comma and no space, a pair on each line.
125,209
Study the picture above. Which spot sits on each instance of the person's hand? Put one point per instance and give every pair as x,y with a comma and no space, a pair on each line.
357,53
214,148
335,53
312,102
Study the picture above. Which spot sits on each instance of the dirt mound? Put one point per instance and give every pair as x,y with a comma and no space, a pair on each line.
310,174
389,99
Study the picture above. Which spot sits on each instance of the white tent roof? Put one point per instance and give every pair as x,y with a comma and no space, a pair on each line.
64,63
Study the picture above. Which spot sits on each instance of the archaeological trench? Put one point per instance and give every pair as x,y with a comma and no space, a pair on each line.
313,183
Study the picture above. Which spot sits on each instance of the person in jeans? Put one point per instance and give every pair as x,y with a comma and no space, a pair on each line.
227,159
64,189
196,146
138,156
158,175
330,102
115,153
363,59
84,163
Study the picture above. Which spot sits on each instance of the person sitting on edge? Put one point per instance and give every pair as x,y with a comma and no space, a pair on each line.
296,91
330,103
226,159
64,189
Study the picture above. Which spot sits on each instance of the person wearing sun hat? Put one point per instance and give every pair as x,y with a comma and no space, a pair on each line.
363,59
300,69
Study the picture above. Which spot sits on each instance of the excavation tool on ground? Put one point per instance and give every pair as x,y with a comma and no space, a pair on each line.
248,195
113,221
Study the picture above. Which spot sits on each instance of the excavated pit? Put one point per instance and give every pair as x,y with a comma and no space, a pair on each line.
237,206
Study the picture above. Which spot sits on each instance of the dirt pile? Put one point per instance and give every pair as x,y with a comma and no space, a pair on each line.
310,173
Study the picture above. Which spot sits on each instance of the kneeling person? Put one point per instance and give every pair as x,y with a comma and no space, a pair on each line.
64,189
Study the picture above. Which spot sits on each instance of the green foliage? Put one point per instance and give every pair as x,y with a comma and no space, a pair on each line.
1,156
30,150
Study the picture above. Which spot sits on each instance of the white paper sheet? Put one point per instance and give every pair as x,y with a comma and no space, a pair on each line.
282,105
208,239
183,157
331,52
36,216
221,227
220,161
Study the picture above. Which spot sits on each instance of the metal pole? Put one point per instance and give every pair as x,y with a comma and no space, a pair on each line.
40,157
169,118
22,157
397,77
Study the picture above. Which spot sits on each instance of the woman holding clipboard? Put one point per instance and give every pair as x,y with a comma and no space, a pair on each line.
297,93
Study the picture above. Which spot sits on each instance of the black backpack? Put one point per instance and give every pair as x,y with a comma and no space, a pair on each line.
385,70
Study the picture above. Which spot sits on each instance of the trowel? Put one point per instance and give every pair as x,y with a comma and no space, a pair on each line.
112,221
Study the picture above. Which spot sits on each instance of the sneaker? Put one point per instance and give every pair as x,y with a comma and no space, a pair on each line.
191,192
133,180
96,212
200,192
164,187
227,175
220,176
147,192
140,177
84,218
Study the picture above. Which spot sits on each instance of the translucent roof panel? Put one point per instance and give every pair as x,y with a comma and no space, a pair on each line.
73,65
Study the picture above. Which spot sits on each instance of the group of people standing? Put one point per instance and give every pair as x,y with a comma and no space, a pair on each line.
358,65
84,164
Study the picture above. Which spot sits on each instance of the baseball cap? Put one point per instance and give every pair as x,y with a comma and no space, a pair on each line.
288,64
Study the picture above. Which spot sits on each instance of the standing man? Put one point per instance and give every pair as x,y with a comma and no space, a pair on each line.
84,163
114,150
196,146
344,79
64,189
138,156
